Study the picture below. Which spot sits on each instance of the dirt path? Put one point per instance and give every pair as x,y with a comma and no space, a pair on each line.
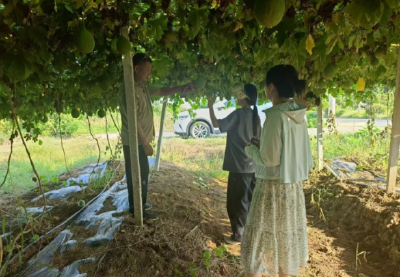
193,223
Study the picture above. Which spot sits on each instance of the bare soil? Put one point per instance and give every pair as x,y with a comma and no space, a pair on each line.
173,245
193,221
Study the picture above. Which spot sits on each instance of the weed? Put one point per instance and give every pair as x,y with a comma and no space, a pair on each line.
358,254
100,183
201,184
34,238
206,261
178,273
221,250
318,196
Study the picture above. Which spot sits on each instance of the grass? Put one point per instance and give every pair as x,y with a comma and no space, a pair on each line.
356,147
48,159
202,157
193,155
349,113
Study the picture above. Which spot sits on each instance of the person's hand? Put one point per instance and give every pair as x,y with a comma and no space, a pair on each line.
255,141
187,89
211,102
148,149
190,87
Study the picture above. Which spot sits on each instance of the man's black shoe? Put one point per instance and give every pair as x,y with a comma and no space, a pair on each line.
147,216
147,206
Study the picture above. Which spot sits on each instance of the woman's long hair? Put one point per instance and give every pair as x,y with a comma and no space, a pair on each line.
251,92
286,81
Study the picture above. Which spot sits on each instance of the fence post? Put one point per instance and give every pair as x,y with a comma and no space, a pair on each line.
395,136
132,127
160,134
320,138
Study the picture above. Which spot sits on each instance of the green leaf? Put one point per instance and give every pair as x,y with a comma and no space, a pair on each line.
380,70
178,273
352,38
207,255
392,3
207,264
289,3
377,35
386,14
349,103
192,265
196,18
38,35
40,142
333,44
69,8
329,39
281,37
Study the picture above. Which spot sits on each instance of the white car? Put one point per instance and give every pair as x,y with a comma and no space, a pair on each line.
201,126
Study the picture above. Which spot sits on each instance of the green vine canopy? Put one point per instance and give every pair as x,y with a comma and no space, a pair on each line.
64,56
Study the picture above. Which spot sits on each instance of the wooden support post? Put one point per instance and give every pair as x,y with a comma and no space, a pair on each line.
395,136
160,134
133,138
320,138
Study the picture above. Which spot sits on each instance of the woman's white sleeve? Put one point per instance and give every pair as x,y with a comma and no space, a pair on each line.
269,154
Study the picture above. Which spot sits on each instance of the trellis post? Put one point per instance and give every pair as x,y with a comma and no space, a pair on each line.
132,126
160,134
320,138
395,136
332,104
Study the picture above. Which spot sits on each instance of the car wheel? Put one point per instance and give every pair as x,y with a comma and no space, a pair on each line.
199,130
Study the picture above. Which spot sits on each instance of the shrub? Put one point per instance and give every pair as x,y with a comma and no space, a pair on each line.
69,125
339,112
311,119
376,108
312,123
5,130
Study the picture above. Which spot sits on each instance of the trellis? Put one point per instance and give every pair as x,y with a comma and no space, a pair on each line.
220,40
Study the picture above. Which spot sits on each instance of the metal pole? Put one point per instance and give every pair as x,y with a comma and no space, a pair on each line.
320,138
395,136
132,127
160,134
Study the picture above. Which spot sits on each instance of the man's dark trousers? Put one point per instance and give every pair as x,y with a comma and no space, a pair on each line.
239,195
144,174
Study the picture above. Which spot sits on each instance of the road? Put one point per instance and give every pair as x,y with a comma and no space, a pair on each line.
363,122
344,125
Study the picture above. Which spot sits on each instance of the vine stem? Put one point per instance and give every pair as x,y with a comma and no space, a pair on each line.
62,144
387,118
9,158
119,133
108,140
116,126
97,141
26,147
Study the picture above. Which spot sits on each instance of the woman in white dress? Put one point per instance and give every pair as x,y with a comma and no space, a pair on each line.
275,236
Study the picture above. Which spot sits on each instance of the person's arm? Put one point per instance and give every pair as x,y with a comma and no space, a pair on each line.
143,141
213,118
271,143
173,90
